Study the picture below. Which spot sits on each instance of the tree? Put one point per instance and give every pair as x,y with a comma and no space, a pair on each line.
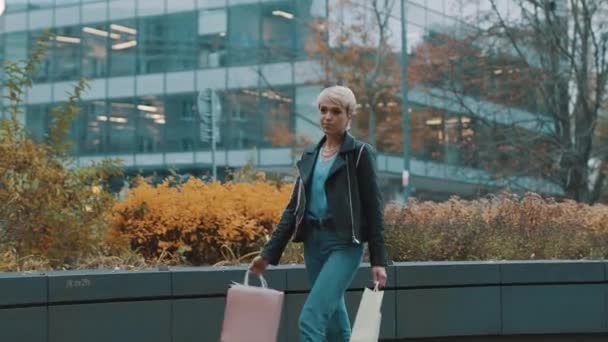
50,208
456,70
357,53
550,60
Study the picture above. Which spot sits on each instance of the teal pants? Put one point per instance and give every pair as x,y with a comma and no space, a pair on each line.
331,265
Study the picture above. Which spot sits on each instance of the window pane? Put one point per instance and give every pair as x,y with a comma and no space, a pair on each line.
257,118
121,126
212,38
318,8
95,49
74,130
244,34
470,132
67,2
453,139
43,71
307,115
182,126
36,121
67,53
307,14
16,5
123,48
426,133
94,127
278,32
277,104
39,4
241,123
150,124
152,45
416,14
181,41
16,46
2,43
212,21
150,7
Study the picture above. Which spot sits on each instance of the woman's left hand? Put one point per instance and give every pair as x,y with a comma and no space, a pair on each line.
379,275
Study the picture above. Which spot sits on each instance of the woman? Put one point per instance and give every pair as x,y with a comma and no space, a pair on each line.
335,207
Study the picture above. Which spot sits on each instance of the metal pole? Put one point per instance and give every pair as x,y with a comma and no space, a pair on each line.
213,105
405,109
206,108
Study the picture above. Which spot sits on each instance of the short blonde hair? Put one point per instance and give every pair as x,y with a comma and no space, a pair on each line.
340,95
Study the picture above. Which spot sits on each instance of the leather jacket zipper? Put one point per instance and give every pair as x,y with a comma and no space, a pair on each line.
298,220
350,201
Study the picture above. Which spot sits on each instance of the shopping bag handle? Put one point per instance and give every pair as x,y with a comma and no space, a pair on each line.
376,286
262,280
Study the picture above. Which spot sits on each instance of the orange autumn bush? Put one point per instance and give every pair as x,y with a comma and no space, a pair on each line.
211,223
496,228
202,222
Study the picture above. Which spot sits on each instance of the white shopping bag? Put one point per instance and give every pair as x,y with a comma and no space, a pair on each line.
367,321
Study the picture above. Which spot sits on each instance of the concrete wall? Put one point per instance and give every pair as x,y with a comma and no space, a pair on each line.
450,301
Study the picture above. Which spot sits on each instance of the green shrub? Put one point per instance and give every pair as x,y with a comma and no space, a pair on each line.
52,214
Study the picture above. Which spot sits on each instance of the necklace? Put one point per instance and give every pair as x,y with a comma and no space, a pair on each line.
328,153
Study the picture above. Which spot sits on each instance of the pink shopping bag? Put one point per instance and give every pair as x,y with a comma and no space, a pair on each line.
252,314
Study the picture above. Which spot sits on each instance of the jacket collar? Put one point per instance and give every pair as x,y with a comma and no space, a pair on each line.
348,144
306,164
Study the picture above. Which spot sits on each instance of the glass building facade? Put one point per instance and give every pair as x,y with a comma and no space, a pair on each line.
147,61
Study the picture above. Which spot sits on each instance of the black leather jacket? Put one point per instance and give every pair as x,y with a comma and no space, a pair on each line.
353,198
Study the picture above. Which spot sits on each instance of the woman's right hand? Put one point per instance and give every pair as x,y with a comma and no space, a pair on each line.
258,265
